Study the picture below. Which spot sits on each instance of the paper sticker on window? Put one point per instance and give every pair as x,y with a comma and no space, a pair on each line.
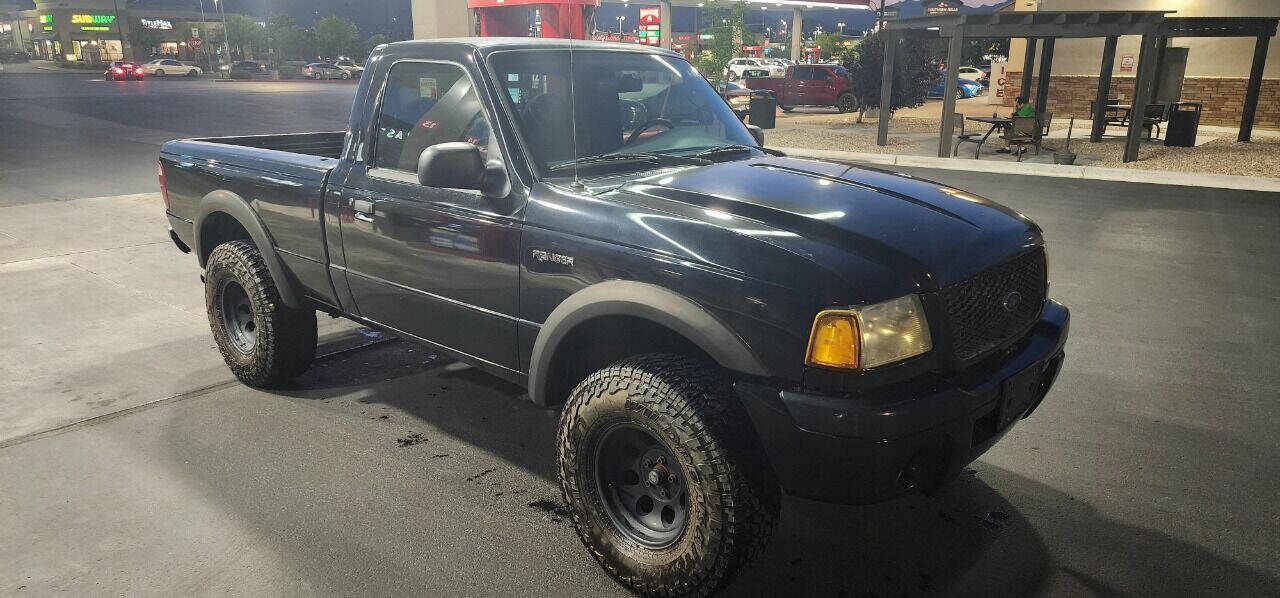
427,87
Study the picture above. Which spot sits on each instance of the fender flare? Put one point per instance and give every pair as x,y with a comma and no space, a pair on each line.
645,301
237,208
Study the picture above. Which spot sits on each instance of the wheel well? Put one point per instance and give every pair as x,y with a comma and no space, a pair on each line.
216,229
598,342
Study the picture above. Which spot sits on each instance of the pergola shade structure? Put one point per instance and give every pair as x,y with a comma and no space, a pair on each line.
1155,28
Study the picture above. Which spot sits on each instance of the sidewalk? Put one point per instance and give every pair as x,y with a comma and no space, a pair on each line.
913,140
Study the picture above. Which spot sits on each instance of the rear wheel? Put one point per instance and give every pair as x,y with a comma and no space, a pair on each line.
787,108
263,341
666,483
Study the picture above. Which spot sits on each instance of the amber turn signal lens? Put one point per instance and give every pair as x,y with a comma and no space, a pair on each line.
833,342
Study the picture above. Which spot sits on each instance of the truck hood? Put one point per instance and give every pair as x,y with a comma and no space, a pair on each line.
843,217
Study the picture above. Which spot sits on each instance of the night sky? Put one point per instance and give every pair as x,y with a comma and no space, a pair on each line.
374,16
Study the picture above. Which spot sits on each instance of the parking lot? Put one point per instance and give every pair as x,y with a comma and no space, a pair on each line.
134,464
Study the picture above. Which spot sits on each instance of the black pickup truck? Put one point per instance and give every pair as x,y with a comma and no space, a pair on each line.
718,322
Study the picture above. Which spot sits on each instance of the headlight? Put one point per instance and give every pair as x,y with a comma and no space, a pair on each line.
869,336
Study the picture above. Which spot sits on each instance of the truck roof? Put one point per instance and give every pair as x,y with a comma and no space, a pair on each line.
490,44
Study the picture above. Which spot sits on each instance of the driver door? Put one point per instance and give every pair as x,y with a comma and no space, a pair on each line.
440,264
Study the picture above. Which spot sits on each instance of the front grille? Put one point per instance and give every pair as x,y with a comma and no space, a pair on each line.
991,308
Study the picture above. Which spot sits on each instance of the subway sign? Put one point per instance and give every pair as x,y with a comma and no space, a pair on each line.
93,19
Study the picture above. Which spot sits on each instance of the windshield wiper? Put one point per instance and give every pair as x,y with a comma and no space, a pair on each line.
661,159
734,148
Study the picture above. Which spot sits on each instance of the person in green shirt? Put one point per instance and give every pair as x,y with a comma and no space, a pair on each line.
1021,108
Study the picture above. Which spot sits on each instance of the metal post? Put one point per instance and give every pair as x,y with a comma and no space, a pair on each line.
226,40
1141,95
797,34
1255,86
949,92
1104,89
886,87
1046,70
664,24
1028,65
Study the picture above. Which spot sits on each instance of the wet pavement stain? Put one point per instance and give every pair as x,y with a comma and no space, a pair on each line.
411,439
482,474
556,511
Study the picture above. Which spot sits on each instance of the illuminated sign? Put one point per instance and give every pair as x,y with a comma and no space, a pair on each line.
156,23
942,7
650,29
95,28
47,19
93,19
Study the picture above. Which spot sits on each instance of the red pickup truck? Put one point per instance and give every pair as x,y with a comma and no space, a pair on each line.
810,85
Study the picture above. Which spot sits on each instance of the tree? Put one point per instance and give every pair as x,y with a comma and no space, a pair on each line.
828,44
244,34
728,34
142,38
913,73
336,36
374,41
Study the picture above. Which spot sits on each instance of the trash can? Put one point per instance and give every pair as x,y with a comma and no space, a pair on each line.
1184,122
763,110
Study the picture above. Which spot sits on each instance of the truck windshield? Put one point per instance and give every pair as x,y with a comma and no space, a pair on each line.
618,103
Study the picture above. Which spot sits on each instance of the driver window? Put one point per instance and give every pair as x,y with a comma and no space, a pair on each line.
820,74
425,104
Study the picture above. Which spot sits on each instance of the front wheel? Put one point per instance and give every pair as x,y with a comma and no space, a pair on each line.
160,72
787,108
665,480
846,103
263,341
346,75
192,73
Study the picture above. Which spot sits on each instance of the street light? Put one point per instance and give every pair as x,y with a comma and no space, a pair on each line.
620,20
841,26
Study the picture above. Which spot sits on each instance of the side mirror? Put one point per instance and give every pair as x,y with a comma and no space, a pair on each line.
459,165
757,133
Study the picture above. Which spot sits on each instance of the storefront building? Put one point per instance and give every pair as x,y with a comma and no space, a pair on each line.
97,31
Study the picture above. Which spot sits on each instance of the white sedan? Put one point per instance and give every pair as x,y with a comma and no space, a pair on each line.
350,67
167,67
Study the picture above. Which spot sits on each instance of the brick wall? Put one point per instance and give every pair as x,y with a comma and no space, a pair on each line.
1223,98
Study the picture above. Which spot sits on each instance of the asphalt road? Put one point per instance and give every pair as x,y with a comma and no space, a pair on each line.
131,463
66,135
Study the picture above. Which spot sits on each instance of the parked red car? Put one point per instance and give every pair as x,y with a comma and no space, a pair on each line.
123,71
809,85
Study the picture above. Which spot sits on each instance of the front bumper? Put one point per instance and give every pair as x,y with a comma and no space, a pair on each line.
916,436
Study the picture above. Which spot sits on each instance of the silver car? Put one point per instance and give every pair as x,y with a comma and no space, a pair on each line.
324,70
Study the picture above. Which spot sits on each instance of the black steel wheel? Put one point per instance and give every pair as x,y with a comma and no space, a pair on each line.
263,341
237,317
666,483
641,485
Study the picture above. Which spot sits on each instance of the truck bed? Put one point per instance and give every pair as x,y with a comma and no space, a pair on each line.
280,178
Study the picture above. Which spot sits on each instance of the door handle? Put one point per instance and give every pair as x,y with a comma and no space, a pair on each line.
362,209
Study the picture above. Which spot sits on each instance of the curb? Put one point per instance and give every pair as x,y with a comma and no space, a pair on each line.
1097,173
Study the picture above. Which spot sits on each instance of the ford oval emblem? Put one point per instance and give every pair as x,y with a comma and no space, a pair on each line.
1011,301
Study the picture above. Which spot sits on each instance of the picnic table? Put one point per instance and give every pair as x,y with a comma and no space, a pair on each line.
997,123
